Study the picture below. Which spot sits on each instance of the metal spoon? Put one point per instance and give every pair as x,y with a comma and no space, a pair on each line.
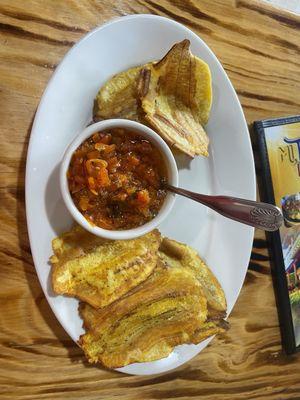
260,215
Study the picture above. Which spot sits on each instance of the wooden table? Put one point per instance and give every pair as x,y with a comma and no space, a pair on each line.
259,48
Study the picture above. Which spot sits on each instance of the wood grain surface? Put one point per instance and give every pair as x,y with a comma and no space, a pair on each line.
259,48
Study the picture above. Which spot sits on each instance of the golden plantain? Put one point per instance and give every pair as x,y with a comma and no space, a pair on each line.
176,96
166,310
118,97
100,271
178,254
173,96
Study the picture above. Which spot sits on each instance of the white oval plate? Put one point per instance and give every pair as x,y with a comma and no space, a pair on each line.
66,108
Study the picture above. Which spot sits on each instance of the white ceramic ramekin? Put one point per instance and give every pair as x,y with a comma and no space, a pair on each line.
172,177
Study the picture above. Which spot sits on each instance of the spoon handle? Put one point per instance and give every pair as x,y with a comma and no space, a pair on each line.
260,215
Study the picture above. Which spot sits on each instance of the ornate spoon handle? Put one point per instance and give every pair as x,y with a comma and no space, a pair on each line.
260,215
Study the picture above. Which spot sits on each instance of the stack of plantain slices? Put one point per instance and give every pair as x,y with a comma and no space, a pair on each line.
140,297
173,96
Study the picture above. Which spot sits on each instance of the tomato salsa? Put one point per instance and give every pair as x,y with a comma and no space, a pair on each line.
115,179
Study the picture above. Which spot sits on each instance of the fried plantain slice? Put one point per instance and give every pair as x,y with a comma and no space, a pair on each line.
118,97
178,254
164,311
173,96
100,271
176,96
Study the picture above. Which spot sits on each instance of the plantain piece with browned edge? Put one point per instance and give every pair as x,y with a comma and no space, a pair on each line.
178,254
118,97
176,97
165,311
100,271
168,309
173,96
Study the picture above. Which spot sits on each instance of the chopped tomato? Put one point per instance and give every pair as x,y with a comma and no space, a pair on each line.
143,197
103,178
93,154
